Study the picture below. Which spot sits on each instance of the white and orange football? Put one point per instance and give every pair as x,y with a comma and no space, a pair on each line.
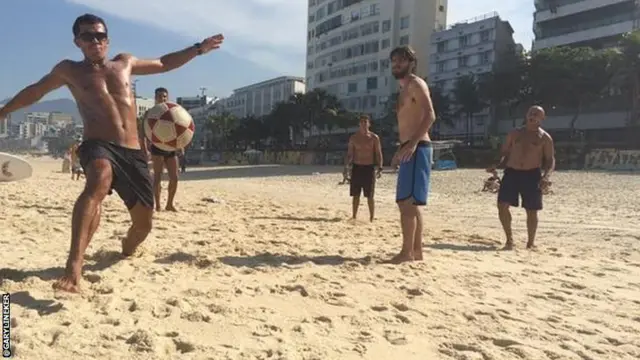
169,126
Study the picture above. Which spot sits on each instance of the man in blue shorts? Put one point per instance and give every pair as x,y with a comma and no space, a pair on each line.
415,155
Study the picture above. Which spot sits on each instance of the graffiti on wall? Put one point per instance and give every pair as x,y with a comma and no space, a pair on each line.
283,158
612,159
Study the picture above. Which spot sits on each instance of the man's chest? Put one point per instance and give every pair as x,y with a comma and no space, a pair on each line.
110,79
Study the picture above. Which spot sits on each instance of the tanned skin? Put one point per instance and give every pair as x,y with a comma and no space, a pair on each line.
365,149
526,148
415,118
102,90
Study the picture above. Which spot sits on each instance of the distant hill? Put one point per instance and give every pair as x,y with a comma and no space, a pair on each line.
62,105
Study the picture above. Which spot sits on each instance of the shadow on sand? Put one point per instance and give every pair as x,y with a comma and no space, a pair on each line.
276,260
454,247
250,171
295,218
43,307
106,260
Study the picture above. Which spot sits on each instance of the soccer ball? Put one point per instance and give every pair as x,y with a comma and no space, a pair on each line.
169,126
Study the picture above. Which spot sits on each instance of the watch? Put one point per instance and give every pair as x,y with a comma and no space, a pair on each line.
198,47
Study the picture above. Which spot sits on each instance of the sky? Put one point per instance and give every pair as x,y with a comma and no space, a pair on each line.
263,38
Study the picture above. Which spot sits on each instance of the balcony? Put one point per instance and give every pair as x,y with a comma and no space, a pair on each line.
584,35
571,7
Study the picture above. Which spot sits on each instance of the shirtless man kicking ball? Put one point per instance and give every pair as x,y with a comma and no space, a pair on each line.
110,152
528,157
365,157
415,155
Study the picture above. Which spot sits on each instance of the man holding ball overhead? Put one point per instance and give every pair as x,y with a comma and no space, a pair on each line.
110,152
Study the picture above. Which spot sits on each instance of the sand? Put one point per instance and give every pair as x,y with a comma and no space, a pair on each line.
264,263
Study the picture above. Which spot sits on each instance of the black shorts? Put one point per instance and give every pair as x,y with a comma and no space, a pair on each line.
131,177
160,152
525,183
363,179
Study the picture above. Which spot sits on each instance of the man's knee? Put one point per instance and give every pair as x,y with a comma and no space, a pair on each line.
503,206
408,207
532,214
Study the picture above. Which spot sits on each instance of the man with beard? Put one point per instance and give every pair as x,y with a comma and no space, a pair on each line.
415,155
110,154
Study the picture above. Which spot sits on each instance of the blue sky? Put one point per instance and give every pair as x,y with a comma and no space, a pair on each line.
264,38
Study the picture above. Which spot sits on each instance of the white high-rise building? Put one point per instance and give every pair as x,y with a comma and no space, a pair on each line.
349,42
143,105
37,117
260,98
473,47
595,23
4,125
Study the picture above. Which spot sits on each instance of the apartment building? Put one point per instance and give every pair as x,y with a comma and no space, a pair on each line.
349,41
192,102
60,119
143,105
260,98
595,23
37,117
4,125
473,47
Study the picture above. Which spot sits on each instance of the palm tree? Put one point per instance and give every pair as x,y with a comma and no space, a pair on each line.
221,126
467,98
441,106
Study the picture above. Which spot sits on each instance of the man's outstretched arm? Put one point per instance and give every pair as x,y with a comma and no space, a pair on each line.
34,92
176,59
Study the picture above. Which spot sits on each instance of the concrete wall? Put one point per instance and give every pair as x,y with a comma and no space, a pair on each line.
612,159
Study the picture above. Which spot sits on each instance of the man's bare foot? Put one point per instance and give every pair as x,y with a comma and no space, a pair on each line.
417,254
158,208
508,246
531,246
171,208
400,258
67,284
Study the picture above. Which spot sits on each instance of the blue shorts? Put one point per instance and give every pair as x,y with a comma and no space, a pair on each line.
414,175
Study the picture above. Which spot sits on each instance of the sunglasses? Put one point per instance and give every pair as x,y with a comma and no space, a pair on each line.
91,36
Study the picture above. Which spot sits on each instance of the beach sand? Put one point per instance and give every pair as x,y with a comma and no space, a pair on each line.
264,263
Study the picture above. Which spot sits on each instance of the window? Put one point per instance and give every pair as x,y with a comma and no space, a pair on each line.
375,9
404,40
312,18
484,36
384,64
352,87
463,61
386,43
386,26
485,57
442,46
463,41
440,67
404,22
372,83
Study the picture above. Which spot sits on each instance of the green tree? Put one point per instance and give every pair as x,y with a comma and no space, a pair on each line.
466,95
570,77
221,127
441,106
629,80
504,88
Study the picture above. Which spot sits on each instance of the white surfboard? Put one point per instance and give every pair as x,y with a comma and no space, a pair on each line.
14,168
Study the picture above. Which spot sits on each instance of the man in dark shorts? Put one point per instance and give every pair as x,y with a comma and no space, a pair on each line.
365,156
162,159
528,155
110,153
